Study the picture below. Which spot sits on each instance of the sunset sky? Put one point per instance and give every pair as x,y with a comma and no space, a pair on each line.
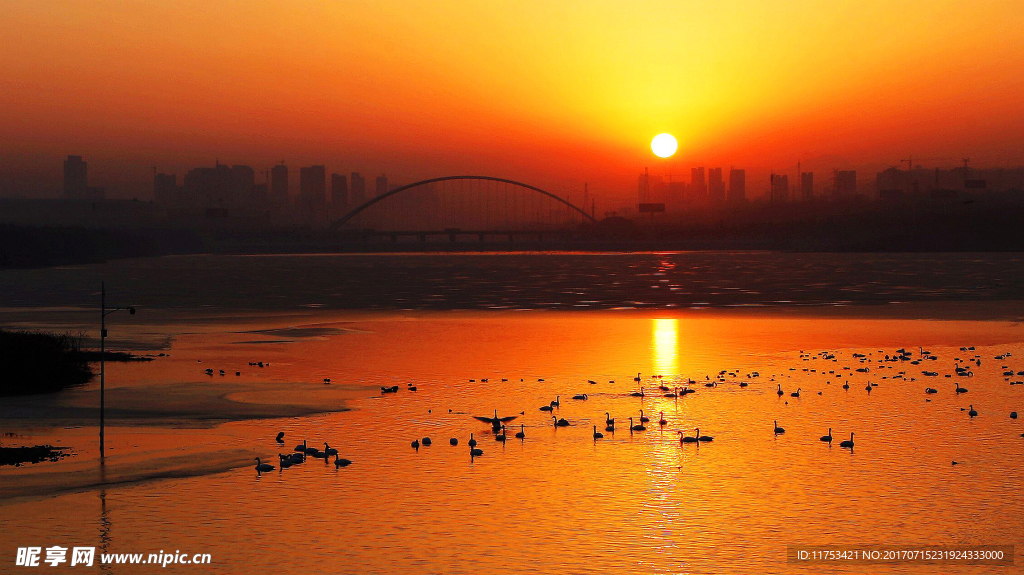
553,93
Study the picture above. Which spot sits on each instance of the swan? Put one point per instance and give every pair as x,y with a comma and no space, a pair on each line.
284,462
610,427
310,450
848,443
500,436
472,442
581,396
495,421
280,437
548,407
744,384
960,389
930,390
416,444
795,393
329,450
662,421
597,434
301,448
643,418
846,385
426,441
521,434
637,378
474,452
780,392
557,402
868,387
560,422
828,437
703,437
637,427
341,462
686,438
608,419
778,429
972,412
453,441
261,467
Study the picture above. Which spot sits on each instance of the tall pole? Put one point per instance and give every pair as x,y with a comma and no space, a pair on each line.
103,335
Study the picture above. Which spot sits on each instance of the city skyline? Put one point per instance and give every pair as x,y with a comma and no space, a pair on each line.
546,95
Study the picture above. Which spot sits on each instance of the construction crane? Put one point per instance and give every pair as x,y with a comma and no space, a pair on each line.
910,161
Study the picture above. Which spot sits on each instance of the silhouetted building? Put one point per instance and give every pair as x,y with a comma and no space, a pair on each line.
780,188
339,191
76,180
806,185
846,183
698,190
313,185
279,184
357,191
209,188
716,186
737,185
259,194
382,185
243,178
165,189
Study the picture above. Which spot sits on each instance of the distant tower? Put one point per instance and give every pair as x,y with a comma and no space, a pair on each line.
737,185
339,191
382,185
357,189
76,181
806,185
279,183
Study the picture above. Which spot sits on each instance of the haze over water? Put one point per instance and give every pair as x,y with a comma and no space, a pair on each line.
182,442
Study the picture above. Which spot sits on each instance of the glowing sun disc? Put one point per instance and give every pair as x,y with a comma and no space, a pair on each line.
664,145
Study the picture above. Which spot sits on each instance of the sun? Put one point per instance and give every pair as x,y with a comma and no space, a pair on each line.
664,145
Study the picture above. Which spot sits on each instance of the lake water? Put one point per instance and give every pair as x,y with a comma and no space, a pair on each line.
511,332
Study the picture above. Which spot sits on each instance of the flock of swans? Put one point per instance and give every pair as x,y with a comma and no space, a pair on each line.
638,422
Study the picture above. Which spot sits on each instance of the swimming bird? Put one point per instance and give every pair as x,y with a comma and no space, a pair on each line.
780,392
581,396
280,437
795,393
474,452
608,419
846,385
972,412
426,441
284,462
643,418
662,421
597,434
637,378
453,441
416,444
329,450
495,421
1013,415
341,462
560,422
778,429
930,390
686,438
261,467
547,407
557,402
960,389
310,450
828,437
500,436
301,448
521,434
638,393
703,437
637,427
848,443
472,442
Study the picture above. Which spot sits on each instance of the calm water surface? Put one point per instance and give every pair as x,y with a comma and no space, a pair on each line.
556,502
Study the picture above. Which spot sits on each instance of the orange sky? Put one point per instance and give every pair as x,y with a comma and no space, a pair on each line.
550,92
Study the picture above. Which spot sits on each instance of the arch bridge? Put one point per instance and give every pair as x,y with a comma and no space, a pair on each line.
465,205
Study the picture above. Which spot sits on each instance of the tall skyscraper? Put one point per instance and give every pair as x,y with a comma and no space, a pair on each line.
382,185
279,184
780,188
807,185
737,185
716,186
698,190
846,183
243,178
357,190
76,181
313,185
339,191
165,189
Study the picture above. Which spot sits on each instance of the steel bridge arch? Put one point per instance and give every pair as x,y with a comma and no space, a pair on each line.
354,212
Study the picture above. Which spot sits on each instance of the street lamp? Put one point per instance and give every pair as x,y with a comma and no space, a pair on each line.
104,312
